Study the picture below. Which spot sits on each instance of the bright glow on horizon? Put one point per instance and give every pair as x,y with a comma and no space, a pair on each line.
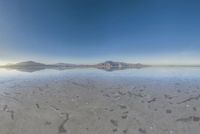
162,60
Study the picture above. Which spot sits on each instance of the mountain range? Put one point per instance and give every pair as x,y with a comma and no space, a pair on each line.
31,66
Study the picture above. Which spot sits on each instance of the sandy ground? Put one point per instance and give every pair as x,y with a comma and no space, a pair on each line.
98,105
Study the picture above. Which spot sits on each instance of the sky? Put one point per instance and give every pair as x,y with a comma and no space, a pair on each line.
92,31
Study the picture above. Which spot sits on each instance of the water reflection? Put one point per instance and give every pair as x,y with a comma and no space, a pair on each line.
150,72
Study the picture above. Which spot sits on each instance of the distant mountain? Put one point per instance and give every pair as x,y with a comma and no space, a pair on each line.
33,63
27,66
31,66
113,64
110,64
27,63
64,65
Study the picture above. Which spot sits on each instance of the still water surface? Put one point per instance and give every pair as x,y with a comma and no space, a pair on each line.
154,73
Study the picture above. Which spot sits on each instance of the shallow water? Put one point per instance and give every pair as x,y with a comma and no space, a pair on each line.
173,72
93,101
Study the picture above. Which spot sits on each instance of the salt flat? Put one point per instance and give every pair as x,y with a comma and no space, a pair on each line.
90,101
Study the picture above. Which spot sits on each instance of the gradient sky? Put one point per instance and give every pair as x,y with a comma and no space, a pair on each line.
91,31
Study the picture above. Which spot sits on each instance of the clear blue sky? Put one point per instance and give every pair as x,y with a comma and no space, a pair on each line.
90,31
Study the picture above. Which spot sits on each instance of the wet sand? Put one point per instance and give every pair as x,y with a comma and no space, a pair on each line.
93,104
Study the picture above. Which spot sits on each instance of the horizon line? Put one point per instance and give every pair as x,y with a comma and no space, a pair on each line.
159,64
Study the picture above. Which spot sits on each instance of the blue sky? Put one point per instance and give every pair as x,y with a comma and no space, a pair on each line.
91,31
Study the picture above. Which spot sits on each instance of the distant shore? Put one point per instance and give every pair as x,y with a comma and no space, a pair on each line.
31,66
